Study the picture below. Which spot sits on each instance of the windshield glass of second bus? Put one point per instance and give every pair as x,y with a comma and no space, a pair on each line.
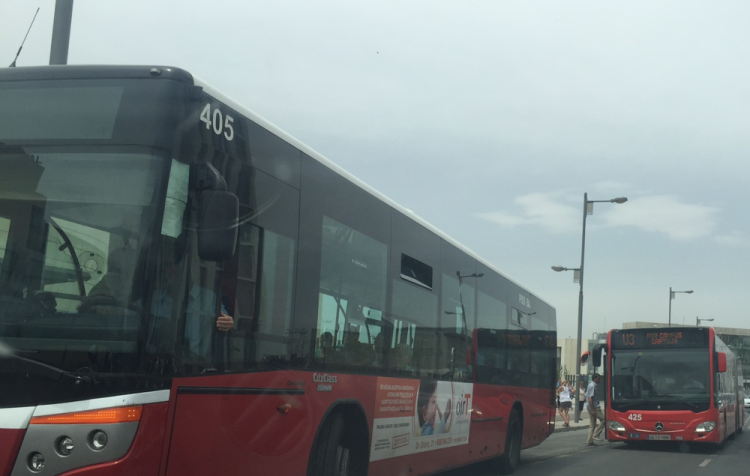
676,378
72,229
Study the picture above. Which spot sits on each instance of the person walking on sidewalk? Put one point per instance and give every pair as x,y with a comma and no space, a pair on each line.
581,396
565,396
592,403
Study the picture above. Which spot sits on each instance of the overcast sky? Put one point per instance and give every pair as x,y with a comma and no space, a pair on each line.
491,119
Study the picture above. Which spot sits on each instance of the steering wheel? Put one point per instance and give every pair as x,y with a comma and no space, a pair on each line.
104,300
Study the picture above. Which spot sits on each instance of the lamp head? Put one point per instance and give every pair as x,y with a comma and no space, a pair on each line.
558,268
619,200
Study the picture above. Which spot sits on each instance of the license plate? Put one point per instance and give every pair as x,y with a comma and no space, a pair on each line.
659,437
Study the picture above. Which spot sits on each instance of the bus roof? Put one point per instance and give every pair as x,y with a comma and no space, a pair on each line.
178,74
213,92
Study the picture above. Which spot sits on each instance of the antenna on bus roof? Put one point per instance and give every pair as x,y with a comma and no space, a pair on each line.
13,64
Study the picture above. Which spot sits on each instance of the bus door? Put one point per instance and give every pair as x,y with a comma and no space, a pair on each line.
599,360
488,417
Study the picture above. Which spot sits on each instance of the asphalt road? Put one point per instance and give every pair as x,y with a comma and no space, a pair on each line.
565,454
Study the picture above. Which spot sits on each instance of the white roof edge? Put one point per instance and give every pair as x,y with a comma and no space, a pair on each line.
15,418
213,92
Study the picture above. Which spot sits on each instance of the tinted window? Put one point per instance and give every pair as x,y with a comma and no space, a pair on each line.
352,296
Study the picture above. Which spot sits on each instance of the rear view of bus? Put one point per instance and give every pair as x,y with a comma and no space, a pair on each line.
672,384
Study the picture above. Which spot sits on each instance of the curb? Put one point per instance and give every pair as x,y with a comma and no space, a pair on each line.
572,428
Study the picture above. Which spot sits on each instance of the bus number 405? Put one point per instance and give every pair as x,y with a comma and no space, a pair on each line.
215,119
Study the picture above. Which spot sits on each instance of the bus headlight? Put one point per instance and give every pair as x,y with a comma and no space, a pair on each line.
36,462
615,425
98,440
705,427
65,446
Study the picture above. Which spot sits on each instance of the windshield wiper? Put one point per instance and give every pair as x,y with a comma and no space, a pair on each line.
622,405
654,399
51,371
681,400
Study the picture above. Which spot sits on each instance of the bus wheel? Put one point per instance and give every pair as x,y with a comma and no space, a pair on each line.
512,457
332,453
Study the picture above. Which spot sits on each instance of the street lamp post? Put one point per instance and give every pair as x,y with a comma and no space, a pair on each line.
461,296
463,314
586,203
671,296
698,321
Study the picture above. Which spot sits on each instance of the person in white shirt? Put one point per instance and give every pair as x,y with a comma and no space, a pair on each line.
565,394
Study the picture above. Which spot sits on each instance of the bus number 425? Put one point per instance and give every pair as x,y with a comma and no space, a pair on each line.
220,126
635,417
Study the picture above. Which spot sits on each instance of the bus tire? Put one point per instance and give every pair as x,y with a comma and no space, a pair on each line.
339,450
512,456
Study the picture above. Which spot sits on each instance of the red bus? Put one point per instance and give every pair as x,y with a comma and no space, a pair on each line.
678,384
187,290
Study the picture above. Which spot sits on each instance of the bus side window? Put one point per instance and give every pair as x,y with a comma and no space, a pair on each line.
351,297
402,358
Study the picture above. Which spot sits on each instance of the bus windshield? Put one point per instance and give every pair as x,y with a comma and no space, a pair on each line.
661,379
74,225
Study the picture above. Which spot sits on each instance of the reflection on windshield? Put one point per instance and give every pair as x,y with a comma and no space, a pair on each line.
672,377
72,228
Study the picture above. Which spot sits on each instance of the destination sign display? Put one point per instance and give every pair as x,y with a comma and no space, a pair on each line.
505,338
663,338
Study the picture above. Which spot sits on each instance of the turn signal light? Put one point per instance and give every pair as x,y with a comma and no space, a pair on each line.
109,415
285,408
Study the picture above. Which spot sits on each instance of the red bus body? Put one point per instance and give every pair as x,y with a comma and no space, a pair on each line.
653,419
227,424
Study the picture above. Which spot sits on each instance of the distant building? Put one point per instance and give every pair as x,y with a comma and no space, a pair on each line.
568,356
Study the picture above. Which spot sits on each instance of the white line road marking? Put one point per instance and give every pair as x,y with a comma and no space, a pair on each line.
705,463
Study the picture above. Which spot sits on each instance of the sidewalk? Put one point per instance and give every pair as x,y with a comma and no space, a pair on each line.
583,422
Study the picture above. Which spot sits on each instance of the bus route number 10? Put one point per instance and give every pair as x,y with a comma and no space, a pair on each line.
220,124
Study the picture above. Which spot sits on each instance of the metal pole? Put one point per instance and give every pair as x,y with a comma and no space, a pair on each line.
580,304
61,32
670,307
461,300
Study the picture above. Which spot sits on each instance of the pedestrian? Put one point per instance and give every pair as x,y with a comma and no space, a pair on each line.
581,396
565,395
592,404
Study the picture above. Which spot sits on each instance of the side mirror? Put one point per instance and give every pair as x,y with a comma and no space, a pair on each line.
217,225
596,355
721,361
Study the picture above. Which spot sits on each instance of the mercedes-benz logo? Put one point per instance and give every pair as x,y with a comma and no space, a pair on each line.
659,426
